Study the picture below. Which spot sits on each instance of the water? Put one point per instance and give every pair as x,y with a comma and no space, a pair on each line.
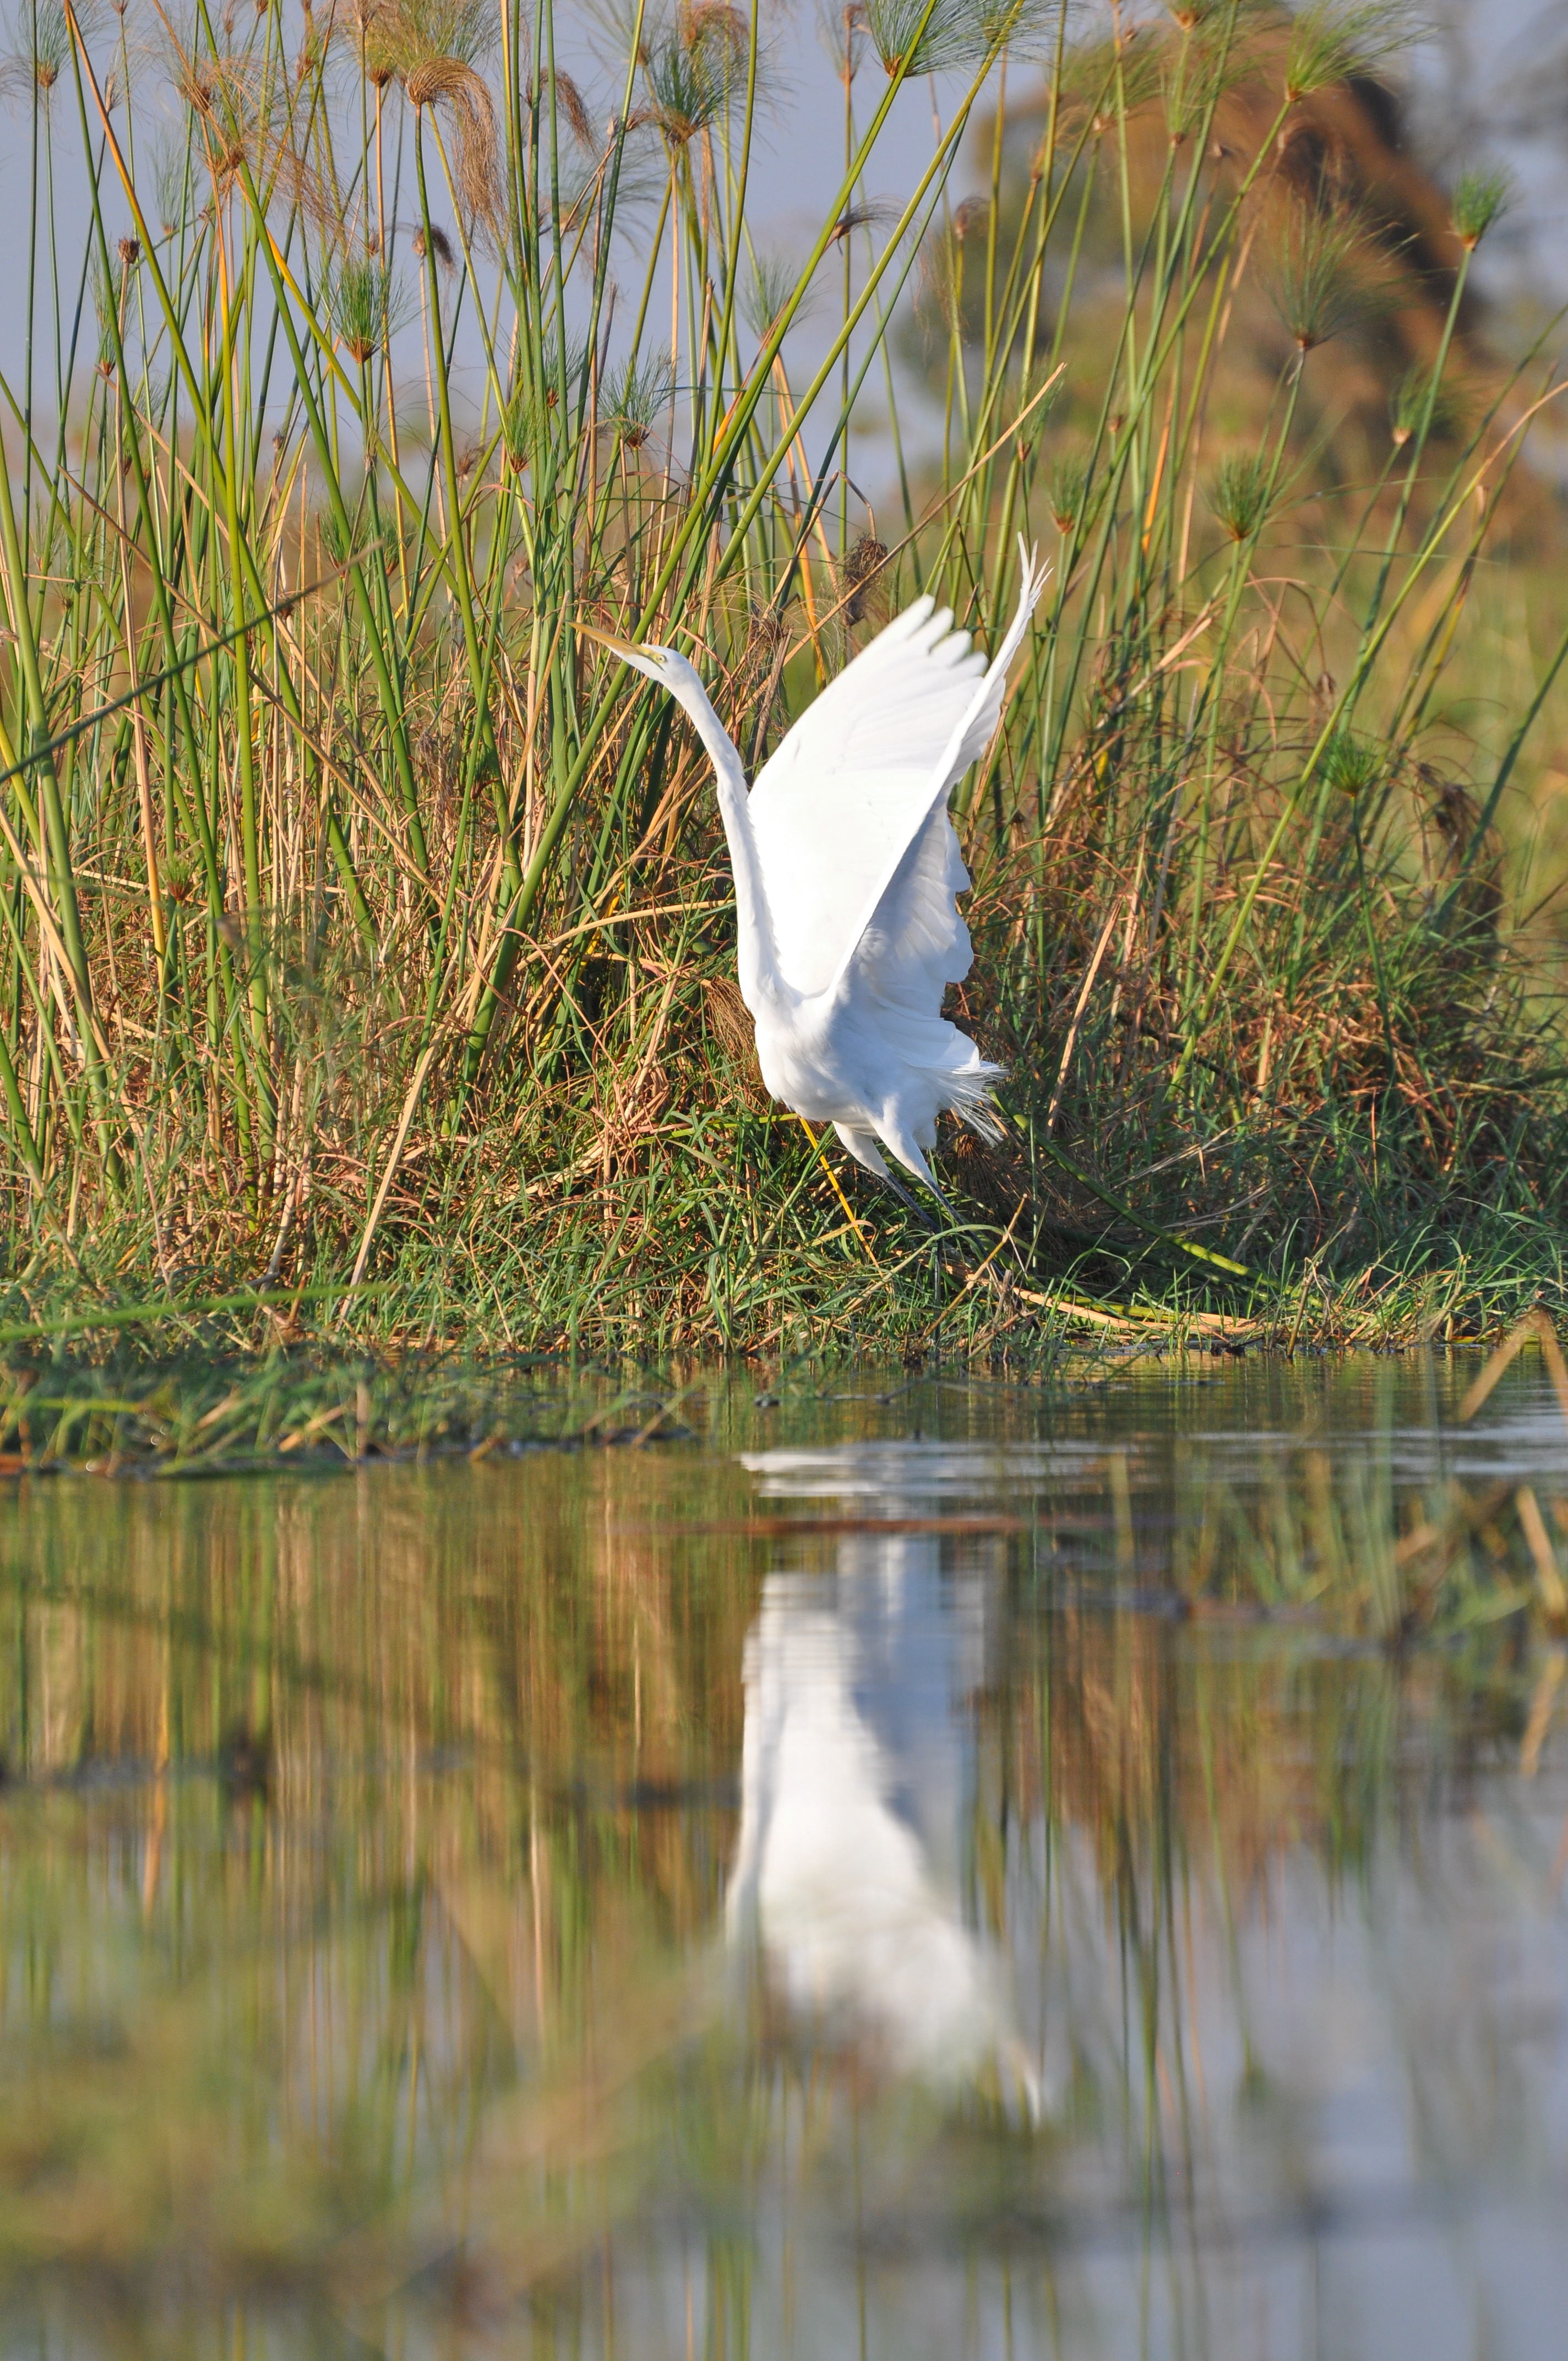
801,1891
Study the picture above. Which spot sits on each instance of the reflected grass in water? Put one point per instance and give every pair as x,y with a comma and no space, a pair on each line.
365,1848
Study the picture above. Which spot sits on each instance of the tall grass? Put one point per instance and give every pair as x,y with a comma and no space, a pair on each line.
359,920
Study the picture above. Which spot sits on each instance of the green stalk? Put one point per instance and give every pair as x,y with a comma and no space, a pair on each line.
61,875
250,842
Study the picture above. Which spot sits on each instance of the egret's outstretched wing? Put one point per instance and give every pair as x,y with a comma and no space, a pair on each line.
910,940
915,942
836,811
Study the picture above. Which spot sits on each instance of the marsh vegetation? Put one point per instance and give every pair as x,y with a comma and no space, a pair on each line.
360,923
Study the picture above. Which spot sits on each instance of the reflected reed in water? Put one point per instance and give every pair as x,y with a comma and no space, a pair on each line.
966,1874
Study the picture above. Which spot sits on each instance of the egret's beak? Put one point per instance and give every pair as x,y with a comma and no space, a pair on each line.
622,648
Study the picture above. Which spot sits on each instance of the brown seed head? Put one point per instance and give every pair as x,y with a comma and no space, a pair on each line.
438,244
571,104
714,21
863,562
855,217
447,82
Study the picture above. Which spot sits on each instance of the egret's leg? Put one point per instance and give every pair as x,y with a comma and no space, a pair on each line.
816,1140
908,1152
907,1197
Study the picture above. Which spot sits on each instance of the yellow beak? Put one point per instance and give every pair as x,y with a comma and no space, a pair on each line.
617,647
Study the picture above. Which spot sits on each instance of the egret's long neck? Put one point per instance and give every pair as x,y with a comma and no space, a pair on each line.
758,960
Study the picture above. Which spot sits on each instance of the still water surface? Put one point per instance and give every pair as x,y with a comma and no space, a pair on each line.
804,1890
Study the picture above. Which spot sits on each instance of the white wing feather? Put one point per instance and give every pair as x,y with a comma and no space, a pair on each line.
852,809
837,801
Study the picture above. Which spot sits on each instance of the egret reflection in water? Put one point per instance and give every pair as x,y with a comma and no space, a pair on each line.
857,1785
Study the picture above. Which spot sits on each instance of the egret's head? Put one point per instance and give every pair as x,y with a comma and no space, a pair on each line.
667,665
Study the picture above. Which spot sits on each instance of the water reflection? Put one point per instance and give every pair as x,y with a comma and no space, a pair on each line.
856,1794
798,1897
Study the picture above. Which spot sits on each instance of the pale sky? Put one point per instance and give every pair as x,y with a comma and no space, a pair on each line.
1483,75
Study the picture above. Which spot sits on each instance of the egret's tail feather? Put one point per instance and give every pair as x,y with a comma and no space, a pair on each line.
968,1093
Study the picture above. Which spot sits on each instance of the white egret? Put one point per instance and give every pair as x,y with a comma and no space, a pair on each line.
846,868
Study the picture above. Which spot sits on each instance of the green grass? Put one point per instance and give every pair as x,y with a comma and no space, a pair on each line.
357,923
